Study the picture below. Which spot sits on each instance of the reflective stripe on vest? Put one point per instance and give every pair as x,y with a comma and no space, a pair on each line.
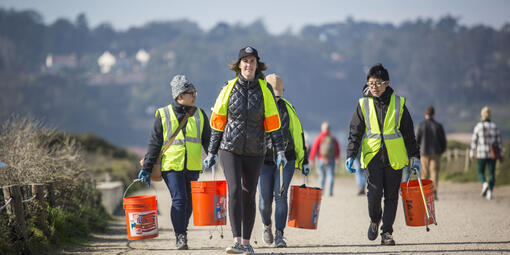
220,110
189,146
393,140
297,134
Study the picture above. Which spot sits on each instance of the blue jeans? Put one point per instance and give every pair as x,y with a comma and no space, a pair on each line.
269,188
327,170
361,178
179,185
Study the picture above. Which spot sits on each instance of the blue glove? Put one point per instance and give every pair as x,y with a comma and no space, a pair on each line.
281,159
415,164
406,174
210,160
348,165
306,170
145,176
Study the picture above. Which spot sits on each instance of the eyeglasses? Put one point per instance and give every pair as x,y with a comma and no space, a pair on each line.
377,84
193,93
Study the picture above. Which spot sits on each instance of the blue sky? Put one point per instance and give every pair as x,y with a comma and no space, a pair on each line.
277,15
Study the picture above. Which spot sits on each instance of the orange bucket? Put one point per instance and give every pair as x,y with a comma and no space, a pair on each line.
414,208
305,203
209,200
141,217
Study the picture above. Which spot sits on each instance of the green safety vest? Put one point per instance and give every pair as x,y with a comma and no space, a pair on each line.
297,134
220,110
391,135
189,146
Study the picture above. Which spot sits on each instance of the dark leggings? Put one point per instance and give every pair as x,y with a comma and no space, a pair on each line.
242,174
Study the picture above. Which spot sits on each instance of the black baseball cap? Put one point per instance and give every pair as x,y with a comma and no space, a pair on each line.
248,51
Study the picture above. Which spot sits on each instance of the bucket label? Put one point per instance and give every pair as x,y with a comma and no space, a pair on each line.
409,209
220,207
143,223
315,214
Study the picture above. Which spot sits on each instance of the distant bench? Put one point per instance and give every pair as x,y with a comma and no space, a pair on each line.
111,194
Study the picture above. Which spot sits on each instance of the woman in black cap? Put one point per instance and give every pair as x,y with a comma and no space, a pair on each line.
244,112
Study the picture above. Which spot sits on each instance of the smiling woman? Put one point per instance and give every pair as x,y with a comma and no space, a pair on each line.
244,112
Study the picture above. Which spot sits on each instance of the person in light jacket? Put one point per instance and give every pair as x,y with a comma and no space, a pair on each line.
485,134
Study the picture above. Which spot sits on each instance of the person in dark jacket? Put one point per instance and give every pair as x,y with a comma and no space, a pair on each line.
269,181
181,162
244,112
432,140
382,127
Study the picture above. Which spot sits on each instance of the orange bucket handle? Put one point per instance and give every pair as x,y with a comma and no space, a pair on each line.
135,181
428,212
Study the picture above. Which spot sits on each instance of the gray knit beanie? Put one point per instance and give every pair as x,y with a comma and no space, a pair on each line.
180,84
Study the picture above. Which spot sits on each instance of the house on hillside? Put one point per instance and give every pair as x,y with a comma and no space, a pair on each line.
120,69
56,63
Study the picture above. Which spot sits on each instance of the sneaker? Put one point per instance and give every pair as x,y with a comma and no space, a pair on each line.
373,230
278,240
435,195
248,249
485,187
387,239
489,195
361,191
181,242
267,235
236,248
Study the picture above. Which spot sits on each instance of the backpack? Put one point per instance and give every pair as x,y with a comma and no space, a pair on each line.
328,147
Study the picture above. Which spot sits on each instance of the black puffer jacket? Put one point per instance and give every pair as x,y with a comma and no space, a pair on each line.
357,129
244,132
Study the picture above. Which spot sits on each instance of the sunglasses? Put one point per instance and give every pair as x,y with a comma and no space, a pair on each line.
193,93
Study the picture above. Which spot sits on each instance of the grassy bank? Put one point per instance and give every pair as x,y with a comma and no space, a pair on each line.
74,164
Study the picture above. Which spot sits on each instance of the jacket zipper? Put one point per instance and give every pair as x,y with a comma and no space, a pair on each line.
246,117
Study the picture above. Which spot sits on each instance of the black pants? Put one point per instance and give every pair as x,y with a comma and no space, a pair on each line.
242,174
383,180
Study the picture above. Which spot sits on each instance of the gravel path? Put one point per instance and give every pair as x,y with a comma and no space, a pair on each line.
467,224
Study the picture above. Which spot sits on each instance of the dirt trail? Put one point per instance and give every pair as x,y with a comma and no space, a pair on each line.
467,224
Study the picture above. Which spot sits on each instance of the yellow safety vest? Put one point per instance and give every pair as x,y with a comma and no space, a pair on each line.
220,110
393,139
297,134
189,146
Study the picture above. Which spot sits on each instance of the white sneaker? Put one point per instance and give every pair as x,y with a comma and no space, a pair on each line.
489,195
267,235
236,248
485,187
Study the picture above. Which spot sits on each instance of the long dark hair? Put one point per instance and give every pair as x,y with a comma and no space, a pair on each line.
261,66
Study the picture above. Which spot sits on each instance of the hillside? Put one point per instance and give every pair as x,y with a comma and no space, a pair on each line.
457,69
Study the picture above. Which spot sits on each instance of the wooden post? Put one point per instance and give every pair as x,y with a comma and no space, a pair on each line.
50,188
448,155
455,153
466,161
38,191
16,216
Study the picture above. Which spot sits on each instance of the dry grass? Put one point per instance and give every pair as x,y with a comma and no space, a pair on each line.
36,154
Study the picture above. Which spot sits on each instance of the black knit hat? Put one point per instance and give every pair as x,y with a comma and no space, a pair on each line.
378,71
248,51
